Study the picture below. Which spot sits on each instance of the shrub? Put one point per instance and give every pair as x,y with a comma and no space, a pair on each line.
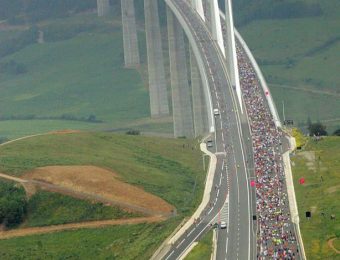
13,204
337,132
133,132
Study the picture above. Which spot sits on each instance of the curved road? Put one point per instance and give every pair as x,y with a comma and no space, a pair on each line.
231,198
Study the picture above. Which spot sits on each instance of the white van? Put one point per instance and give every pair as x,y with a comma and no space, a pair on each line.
216,112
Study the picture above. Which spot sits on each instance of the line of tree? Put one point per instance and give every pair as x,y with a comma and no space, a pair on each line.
35,10
70,117
316,129
12,67
18,42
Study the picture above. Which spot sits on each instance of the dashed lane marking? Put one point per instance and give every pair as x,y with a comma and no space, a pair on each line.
190,232
180,243
170,255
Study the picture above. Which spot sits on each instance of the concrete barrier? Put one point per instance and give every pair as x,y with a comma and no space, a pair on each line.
294,213
165,247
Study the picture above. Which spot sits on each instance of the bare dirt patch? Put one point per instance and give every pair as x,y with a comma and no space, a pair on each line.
310,157
102,183
333,189
66,131
73,226
330,244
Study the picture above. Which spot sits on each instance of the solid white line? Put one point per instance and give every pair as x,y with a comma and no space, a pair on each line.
210,211
218,192
226,248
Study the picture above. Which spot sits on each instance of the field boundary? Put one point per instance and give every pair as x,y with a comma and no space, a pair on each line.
80,225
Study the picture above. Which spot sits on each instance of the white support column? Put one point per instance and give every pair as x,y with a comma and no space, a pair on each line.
130,39
216,28
198,102
231,52
103,7
181,99
198,6
159,105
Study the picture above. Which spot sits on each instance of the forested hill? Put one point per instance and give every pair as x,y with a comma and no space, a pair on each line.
34,10
18,11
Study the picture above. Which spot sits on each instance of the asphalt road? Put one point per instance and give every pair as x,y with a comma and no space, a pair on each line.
232,199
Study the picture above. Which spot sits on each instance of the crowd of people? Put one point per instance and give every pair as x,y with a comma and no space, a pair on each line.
276,237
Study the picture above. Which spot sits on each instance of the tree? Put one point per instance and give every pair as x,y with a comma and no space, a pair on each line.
13,204
337,132
317,129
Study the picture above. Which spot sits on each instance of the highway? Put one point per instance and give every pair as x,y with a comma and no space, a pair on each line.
232,199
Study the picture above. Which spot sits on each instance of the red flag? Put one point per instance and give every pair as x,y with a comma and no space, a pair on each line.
252,183
302,181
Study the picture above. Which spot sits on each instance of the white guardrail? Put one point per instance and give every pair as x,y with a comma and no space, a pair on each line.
263,82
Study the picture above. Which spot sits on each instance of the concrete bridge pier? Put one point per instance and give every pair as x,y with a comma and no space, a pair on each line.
181,96
216,28
198,6
198,99
231,54
131,51
103,7
207,13
159,104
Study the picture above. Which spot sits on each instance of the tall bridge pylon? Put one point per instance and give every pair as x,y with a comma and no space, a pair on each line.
131,52
188,93
103,7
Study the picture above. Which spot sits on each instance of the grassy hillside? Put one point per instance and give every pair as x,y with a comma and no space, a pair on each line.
300,60
319,164
48,208
76,73
168,168
119,242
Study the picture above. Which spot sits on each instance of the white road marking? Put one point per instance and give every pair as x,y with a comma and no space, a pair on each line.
169,255
190,232
180,243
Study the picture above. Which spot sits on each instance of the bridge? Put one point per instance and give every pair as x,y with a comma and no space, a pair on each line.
224,78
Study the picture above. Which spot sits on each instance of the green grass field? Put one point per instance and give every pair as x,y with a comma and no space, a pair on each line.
80,75
169,168
203,250
300,53
48,208
17,128
319,164
119,242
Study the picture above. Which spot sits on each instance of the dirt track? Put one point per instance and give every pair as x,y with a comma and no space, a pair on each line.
330,244
90,224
